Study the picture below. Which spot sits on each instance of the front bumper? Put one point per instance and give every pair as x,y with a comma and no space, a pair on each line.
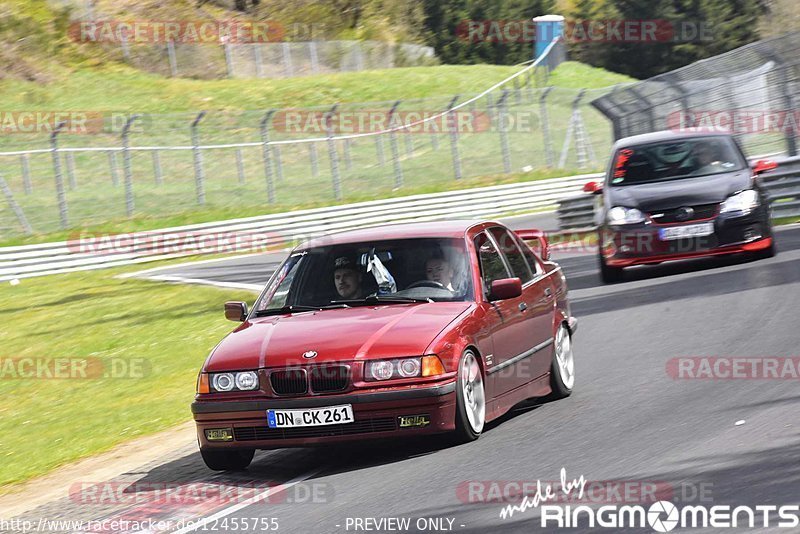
640,244
376,416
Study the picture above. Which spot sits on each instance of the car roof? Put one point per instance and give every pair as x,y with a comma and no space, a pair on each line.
446,229
665,135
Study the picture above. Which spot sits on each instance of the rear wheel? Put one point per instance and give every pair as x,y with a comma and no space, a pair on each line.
470,399
562,369
609,274
227,460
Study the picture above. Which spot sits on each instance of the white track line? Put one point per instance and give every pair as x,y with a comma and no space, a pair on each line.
201,281
253,500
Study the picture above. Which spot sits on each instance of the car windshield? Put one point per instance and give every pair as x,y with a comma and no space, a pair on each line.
352,274
674,160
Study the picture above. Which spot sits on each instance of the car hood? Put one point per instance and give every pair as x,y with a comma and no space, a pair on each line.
365,332
676,193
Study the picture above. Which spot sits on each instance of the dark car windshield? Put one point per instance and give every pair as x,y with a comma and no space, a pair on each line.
676,159
379,272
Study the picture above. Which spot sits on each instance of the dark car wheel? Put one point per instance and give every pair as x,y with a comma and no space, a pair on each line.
470,399
562,368
768,252
227,460
609,274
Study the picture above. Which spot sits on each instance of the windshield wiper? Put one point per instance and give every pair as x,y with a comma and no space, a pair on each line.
287,309
382,299
294,308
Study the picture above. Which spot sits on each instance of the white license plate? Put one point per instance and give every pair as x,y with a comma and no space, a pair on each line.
687,231
330,415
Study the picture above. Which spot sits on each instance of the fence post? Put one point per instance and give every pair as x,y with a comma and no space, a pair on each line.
73,183
546,138
173,61
60,194
226,47
198,160
398,169
379,150
258,60
288,68
266,154
312,52
452,126
240,165
15,207
112,167
126,164
502,124
157,174
332,154
26,173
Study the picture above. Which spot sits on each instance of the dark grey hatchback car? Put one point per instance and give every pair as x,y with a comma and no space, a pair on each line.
671,196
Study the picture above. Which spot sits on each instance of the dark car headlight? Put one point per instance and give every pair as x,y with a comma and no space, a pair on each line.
623,215
240,381
379,370
741,203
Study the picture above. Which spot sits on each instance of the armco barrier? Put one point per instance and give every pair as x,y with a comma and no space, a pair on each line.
782,186
53,258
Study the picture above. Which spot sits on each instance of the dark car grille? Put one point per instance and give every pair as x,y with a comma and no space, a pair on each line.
329,378
289,382
365,426
704,211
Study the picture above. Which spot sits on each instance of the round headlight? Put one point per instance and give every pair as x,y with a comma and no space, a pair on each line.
409,368
223,382
381,370
247,380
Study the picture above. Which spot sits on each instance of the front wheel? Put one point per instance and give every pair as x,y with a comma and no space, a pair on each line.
608,274
470,399
562,368
227,460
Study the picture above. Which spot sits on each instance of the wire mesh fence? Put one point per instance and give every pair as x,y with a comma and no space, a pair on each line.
750,92
220,163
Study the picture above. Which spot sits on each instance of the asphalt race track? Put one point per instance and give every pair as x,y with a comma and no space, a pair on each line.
628,419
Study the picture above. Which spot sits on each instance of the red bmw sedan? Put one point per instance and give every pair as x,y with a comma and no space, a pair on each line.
399,330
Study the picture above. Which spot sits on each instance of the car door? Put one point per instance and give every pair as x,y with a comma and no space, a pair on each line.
535,306
509,336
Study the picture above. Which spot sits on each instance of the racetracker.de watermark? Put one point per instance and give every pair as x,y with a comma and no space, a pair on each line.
182,243
734,368
70,368
735,121
638,31
177,31
372,121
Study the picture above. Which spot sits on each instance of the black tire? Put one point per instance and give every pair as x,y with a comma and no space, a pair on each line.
464,432
559,390
768,252
608,274
227,460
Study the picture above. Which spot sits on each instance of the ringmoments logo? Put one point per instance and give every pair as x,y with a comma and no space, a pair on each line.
660,516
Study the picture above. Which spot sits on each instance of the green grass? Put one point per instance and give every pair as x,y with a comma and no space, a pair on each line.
45,423
575,75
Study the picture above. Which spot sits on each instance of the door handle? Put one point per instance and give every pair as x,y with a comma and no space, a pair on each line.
548,292
523,306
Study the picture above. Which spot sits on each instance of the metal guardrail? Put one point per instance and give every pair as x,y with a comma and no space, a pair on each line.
287,228
782,186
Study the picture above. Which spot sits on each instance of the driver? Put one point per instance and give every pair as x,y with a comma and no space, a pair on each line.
347,279
439,270
706,157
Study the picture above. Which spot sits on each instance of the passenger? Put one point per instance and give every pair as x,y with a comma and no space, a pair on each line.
439,270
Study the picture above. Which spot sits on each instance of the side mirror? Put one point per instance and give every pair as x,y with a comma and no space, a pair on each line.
593,188
236,311
506,288
542,245
764,165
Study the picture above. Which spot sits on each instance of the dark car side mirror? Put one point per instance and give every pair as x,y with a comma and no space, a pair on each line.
593,188
506,288
764,165
236,311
